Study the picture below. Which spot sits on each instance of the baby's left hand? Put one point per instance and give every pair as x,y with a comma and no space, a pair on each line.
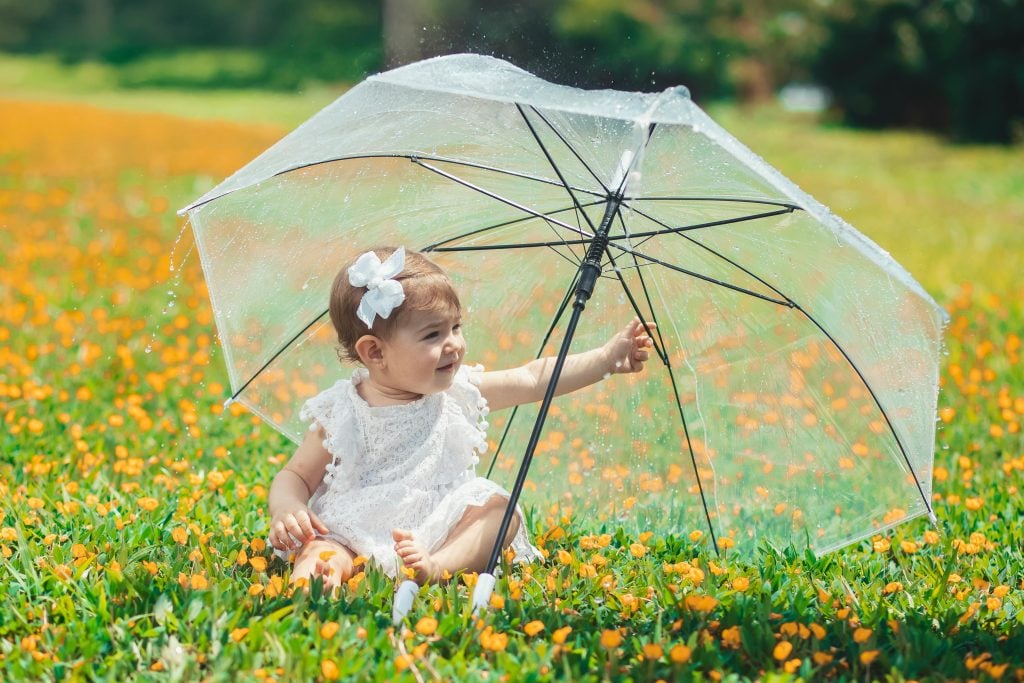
627,351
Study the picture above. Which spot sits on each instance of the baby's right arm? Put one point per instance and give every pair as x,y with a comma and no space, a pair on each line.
292,522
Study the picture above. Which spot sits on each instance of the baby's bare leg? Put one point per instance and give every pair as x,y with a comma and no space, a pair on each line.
324,558
468,546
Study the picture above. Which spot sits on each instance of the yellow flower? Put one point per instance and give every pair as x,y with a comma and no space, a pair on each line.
782,650
892,587
792,665
611,639
637,550
909,547
561,634
238,633
258,563
821,658
696,535
180,535
868,656
148,504
402,662
329,629
740,584
198,582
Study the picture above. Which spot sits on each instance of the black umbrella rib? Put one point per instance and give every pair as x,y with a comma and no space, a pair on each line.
724,200
668,230
878,404
705,278
554,166
666,361
514,221
564,142
503,200
277,353
792,304
411,157
547,337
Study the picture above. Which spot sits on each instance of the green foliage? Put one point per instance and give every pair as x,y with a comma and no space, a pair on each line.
132,507
953,67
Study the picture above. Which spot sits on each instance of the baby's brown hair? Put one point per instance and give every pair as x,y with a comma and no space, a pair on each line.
427,288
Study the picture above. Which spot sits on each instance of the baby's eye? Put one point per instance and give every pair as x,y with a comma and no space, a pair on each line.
431,335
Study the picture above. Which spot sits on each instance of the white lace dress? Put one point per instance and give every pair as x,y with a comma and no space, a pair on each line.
408,466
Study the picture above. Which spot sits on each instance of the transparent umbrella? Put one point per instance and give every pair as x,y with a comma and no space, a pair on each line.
793,393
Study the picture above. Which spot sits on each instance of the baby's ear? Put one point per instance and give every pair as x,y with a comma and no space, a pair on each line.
370,350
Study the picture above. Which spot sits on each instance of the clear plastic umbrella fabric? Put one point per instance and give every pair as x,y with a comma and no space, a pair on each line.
792,395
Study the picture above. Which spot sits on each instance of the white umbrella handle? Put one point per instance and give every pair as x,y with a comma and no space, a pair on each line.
482,592
404,597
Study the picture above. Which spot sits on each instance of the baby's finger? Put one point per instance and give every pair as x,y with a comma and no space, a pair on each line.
318,524
305,524
292,525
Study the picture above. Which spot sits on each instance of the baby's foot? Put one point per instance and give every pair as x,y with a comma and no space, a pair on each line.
415,556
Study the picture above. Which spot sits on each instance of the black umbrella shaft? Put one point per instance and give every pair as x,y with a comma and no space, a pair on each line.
590,270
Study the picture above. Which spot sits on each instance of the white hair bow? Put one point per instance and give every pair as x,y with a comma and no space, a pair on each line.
383,294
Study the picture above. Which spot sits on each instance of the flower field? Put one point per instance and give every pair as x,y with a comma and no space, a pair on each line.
132,505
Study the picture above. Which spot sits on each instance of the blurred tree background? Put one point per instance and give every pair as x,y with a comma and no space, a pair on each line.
951,66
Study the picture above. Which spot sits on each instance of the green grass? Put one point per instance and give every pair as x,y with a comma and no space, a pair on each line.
132,510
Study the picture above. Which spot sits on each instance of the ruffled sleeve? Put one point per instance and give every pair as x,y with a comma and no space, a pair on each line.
465,391
332,410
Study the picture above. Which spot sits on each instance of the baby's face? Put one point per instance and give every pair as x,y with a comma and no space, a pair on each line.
425,351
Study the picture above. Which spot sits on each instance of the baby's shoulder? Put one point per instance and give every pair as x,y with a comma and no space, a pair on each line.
329,405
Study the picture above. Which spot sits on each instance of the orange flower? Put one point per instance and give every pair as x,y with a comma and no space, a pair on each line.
611,638
328,630
330,670
782,650
426,626
653,651
561,634
679,654
861,634
533,628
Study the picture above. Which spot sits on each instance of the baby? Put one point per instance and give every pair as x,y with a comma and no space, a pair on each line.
387,469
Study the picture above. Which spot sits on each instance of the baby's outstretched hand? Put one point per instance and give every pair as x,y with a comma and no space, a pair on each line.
290,529
628,350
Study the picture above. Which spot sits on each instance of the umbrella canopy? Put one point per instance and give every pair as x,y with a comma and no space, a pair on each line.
793,395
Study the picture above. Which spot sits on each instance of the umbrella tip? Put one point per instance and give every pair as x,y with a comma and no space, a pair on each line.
404,597
228,402
482,592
